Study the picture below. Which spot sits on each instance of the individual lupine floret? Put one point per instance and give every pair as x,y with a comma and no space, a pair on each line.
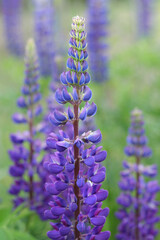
44,36
97,35
139,208
75,163
26,145
144,8
12,25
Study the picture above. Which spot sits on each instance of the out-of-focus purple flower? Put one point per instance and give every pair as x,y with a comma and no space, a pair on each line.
97,35
44,36
26,145
76,173
144,8
12,25
139,208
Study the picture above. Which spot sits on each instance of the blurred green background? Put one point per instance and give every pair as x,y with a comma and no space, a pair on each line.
134,82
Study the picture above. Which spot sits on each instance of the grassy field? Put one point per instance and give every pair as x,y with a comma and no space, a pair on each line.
134,82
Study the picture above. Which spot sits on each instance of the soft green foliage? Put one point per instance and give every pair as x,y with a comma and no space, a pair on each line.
134,82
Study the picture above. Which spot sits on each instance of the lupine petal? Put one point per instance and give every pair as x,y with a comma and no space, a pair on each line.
89,161
60,117
69,77
64,231
67,97
19,118
102,195
70,113
57,211
83,114
55,168
91,200
98,178
87,95
53,234
101,156
63,79
92,110
103,236
98,221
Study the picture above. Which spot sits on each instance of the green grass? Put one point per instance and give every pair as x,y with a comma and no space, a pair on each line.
134,82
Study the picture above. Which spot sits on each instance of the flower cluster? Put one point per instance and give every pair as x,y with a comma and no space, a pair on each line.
139,208
76,173
144,16
26,145
97,34
12,19
44,36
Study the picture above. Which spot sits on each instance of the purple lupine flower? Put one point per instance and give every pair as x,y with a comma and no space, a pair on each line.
44,36
144,16
12,25
26,145
76,173
97,35
139,208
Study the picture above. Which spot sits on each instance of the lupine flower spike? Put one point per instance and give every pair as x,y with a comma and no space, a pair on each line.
97,35
26,145
139,208
76,173
44,36
144,16
12,25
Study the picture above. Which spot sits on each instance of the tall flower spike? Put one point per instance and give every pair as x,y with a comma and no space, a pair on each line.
44,36
12,25
75,166
139,208
97,35
25,165
144,8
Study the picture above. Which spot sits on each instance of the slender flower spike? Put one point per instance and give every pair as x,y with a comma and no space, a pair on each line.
76,173
139,208
97,34
44,36
26,145
144,8
12,25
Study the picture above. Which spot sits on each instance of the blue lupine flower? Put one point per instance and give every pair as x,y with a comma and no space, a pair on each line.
139,208
144,17
26,145
76,173
97,35
12,25
44,36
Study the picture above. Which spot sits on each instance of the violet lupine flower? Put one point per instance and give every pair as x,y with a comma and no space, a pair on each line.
12,25
97,35
76,173
144,16
26,145
44,36
139,208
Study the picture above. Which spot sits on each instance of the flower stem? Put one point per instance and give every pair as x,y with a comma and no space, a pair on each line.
31,151
137,212
76,170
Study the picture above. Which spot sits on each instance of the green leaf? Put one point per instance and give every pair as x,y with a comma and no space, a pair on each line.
4,234
5,212
17,235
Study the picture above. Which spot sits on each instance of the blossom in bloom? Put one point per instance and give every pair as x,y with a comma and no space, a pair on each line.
76,173
97,35
26,145
12,25
139,207
44,36
144,8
